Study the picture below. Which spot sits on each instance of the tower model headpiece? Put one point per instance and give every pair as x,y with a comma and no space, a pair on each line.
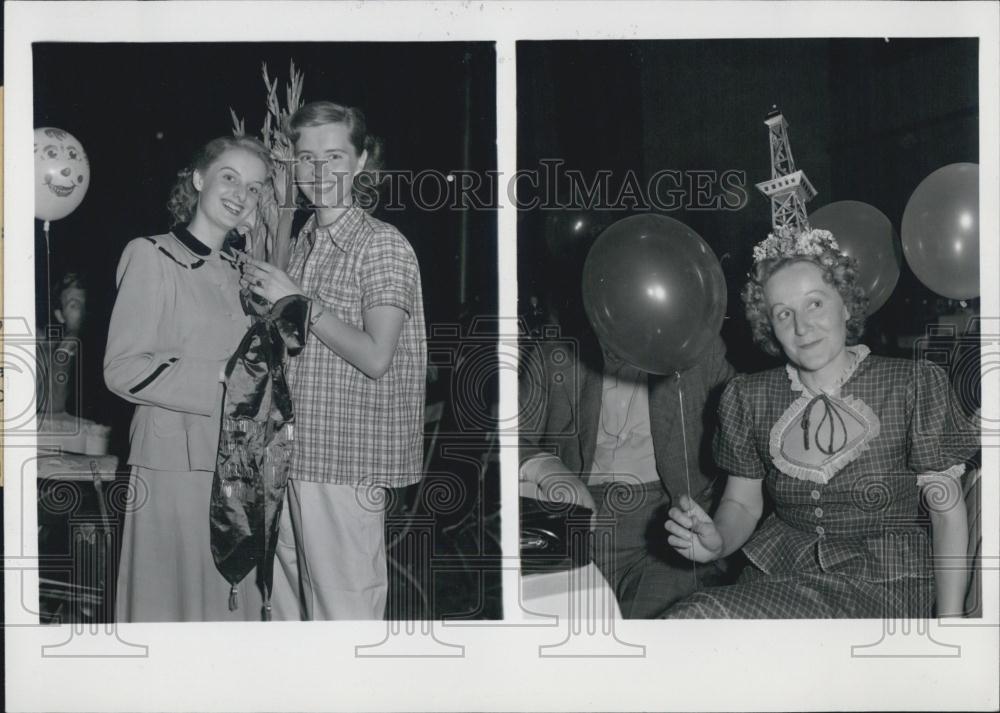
789,190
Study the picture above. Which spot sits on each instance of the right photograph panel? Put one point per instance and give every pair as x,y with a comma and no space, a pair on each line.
748,277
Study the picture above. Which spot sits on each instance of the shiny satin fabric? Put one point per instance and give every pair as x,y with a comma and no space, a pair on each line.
255,444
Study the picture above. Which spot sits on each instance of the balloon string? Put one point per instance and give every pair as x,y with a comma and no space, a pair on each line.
45,321
687,470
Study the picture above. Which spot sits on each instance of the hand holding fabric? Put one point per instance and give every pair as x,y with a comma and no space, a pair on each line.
268,281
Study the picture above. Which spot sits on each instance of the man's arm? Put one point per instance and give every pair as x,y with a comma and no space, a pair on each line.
542,474
546,477
722,371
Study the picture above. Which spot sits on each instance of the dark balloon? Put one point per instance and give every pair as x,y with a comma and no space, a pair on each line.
654,293
866,234
941,231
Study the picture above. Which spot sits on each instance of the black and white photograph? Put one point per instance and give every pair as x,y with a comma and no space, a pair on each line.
756,377
554,355
256,284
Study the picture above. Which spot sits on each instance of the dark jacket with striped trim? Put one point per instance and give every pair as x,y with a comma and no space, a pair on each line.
176,321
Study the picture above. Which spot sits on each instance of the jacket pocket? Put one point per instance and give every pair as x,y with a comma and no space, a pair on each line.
166,422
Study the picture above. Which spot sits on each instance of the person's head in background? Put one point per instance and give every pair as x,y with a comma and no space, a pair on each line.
69,303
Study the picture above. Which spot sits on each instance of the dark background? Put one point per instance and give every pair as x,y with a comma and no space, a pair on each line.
142,110
868,120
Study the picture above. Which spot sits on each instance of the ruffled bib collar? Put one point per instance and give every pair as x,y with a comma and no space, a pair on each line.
837,427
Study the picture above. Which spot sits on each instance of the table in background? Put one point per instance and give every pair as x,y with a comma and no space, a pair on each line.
78,536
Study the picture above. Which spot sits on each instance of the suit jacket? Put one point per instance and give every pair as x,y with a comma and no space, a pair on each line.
560,395
176,321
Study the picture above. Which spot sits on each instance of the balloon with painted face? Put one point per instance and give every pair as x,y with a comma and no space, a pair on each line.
62,173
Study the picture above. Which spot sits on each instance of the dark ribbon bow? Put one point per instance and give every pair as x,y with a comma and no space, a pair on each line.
832,418
254,454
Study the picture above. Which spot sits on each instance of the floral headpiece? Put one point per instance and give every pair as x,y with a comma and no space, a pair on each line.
788,243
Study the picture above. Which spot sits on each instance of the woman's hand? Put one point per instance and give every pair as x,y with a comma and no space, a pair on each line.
693,533
267,281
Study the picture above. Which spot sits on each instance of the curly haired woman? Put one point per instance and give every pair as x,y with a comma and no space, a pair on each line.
177,320
845,443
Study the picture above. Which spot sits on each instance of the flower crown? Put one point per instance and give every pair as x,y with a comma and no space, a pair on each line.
787,243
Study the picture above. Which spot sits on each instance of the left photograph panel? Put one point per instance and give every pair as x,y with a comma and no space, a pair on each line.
266,308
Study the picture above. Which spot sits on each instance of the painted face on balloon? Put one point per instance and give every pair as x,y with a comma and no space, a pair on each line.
809,320
62,171
64,164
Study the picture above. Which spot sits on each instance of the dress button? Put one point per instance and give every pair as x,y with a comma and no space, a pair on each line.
820,530
815,495
819,512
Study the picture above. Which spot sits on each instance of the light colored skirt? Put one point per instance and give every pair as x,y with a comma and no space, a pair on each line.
166,571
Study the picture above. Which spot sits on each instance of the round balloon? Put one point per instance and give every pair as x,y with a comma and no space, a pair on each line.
866,234
654,293
62,173
941,231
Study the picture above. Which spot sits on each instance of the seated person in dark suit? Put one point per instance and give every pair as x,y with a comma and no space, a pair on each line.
598,432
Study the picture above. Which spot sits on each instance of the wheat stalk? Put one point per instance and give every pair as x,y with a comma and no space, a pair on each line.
274,135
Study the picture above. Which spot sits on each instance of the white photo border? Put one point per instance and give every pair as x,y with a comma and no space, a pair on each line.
692,665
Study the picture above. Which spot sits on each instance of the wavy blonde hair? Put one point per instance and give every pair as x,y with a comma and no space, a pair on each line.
184,197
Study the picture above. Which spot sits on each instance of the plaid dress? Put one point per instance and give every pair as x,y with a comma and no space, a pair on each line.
848,543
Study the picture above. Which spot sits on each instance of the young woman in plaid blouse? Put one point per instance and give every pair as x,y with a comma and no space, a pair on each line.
844,441
357,386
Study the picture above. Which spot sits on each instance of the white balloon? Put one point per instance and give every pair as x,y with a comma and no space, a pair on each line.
62,173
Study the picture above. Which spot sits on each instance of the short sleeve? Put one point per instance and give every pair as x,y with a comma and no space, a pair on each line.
734,447
389,274
940,436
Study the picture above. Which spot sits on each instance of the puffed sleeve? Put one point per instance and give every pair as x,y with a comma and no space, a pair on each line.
137,366
734,448
940,438
389,273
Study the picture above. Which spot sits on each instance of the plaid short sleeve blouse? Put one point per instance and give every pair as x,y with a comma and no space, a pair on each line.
350,428
843,524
